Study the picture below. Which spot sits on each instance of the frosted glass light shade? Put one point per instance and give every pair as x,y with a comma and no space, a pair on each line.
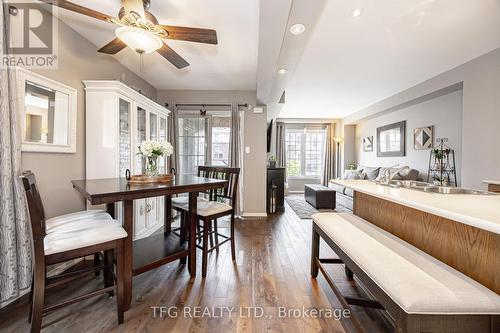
139,40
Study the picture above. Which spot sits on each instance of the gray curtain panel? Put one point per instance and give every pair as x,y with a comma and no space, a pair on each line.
235,147
329,167
15,231
235,136
280,145
172,137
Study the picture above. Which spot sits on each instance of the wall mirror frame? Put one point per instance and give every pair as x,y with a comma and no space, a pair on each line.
47,113
391,140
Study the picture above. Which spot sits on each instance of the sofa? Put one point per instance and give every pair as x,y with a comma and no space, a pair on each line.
344,195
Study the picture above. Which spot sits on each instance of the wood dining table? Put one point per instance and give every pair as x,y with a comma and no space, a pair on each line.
160,248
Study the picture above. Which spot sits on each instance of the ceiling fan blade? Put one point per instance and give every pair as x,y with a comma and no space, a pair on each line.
78,9
113,47
208,36
172,56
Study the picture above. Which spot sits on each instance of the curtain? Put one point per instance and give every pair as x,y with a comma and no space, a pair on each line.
236,155
235,136
172,137
329,167
15,231
280,145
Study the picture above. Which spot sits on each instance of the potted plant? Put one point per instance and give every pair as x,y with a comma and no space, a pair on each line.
272,161
352,166
439,158
151,150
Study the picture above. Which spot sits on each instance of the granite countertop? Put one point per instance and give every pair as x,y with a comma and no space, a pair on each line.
480,211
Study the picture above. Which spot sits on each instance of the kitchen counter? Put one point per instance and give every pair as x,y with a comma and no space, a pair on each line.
480,211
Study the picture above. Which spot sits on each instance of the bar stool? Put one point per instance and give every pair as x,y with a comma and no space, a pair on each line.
222,203
66,239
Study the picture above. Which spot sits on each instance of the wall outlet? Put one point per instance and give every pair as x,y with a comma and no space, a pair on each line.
247,150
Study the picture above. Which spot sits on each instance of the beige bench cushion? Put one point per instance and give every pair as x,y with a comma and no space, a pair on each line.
417,282
82,233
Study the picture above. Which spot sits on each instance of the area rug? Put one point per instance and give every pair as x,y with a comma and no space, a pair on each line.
304,210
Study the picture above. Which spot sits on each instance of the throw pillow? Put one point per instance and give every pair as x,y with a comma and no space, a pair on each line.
353,174
371,172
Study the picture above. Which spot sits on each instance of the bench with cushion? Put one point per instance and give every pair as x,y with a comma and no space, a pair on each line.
319,196
421,293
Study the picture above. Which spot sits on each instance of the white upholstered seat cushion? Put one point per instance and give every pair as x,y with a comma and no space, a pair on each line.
179,202
83,233
208,208
416,281
64,221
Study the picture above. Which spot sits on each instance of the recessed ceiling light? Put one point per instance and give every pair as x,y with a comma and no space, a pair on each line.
282,71
357,12
297,29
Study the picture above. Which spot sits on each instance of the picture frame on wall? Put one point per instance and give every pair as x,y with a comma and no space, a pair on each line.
368,143
391,140
423,138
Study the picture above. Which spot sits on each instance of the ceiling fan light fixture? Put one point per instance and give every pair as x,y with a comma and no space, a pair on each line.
139,40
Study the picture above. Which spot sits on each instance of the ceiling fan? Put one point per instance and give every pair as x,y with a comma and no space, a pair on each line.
140,30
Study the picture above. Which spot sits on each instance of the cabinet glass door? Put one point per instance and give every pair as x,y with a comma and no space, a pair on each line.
163,137
124,136
141,136
153,126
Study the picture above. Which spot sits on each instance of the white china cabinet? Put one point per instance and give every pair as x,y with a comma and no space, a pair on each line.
118,119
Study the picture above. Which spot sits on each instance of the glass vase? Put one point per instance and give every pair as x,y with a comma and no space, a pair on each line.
152,166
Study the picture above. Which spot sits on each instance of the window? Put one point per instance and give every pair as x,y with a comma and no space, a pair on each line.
203,140
191,143
305,150
221,139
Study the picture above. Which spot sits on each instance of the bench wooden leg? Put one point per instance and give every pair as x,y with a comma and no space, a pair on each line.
314,253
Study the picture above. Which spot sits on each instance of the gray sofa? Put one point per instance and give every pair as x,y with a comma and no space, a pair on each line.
344,195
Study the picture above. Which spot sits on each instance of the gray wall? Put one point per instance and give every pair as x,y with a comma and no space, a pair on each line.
443,112
481,114
254,171
78,60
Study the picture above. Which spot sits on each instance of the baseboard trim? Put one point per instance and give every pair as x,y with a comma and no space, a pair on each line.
250,215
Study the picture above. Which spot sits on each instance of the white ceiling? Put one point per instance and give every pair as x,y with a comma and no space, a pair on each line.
350,63
230,65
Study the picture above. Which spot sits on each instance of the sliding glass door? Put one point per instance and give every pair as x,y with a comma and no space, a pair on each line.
191,143
202,140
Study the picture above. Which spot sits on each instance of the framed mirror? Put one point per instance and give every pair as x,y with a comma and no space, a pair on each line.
391,140
48,112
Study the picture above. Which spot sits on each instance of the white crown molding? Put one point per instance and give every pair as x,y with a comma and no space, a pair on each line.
119,87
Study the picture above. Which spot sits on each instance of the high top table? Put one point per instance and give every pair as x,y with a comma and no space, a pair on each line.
156,250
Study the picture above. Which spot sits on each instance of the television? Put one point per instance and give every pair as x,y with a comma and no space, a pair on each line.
269,134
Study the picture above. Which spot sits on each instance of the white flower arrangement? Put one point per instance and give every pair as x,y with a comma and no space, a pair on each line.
151,148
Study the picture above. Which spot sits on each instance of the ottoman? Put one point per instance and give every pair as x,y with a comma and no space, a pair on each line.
319,196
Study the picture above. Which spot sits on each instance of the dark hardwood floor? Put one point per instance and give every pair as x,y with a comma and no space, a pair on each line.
271,271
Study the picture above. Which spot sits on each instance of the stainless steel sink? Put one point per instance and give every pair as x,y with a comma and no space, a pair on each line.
454,190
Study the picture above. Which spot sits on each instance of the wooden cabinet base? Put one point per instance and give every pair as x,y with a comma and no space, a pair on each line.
494,188
470,250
